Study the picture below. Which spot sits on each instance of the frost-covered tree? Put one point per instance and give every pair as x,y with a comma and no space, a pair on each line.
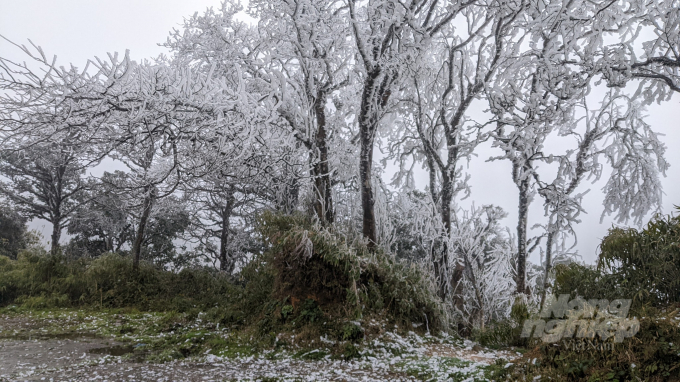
45,182
486,251
535,96
389,36
109,221
309,50
436,126
615,134
174,123
103,224
45,136
300,54
646,48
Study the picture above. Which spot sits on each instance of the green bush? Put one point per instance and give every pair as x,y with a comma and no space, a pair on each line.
586,281
505,333
39,280
312,263
646,263
643,265
653,354
352,332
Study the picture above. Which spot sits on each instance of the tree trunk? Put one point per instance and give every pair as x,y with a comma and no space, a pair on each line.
548,263
367,198
226,264
56,235
323,199
456,289
149,199
446,198
522,234
368,125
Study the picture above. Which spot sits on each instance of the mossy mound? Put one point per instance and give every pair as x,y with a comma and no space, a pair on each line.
345,278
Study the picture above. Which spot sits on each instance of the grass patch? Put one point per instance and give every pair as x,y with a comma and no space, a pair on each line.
653,354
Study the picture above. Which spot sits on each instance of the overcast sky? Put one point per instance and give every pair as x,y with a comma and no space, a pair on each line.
76,30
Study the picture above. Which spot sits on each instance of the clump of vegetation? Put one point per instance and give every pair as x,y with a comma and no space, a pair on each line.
652,355
641,265
345,279
13,233
39,280
504,333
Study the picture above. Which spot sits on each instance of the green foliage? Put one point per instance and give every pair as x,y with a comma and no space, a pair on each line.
40,280
646,263
286,311
653,354
313,263
352,332
310,312
505,333
498,371
311,355
13,234
643,265
586,281
498,334
350,351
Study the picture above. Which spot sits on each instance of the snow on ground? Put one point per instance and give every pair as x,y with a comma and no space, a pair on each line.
30,350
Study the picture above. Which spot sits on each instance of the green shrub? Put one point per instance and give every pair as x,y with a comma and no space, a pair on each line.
312,263
352,332
505,333
310,312
39,280
653,354
646,263
643,266
350,351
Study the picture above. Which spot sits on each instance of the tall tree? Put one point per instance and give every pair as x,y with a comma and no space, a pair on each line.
45,181
617,132
437,125
163,118
45,128
389,35
300,54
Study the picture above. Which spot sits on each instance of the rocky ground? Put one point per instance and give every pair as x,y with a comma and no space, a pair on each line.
67,345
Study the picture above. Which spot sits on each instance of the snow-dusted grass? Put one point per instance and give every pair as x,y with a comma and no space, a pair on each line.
167,343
